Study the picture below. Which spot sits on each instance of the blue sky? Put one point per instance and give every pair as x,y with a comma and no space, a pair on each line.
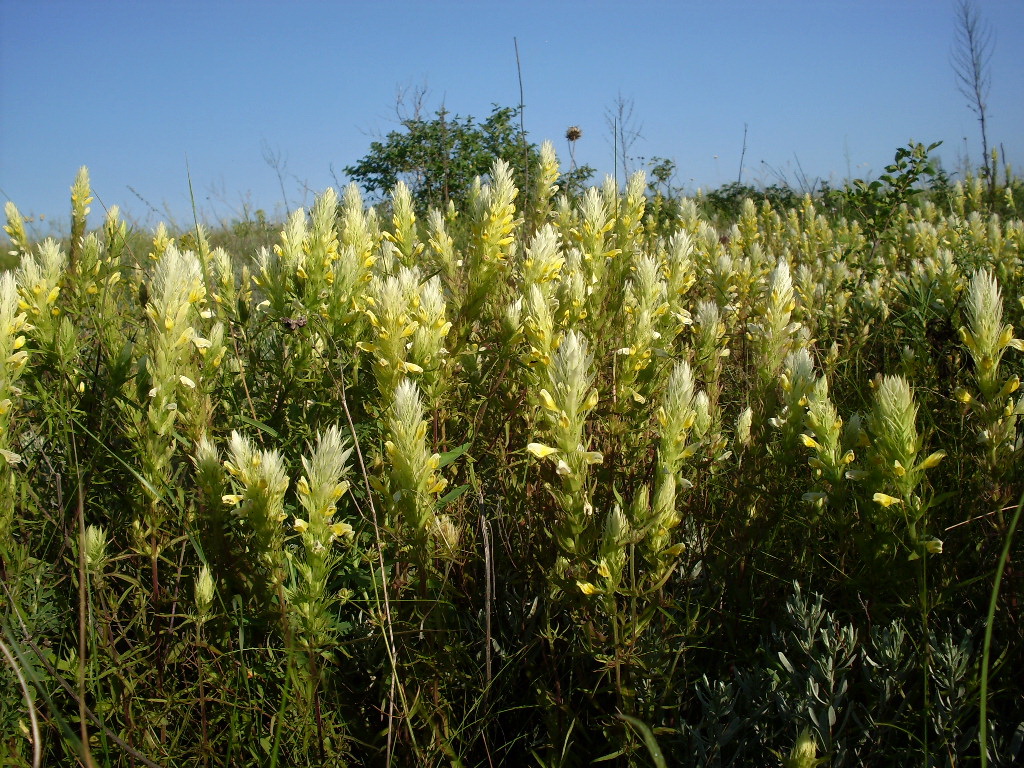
145,93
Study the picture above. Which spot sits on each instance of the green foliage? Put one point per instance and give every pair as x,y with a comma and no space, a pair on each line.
439,158
876,203
725,202
552,479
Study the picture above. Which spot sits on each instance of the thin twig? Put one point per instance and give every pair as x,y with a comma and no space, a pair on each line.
389,638
37,744
82,707
979,517
522,125
987,644
83,727
485,530
743,154
91,715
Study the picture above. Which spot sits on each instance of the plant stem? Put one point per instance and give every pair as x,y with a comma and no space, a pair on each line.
987,647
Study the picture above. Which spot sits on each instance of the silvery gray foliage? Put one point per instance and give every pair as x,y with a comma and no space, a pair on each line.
859,693
816,658
731,728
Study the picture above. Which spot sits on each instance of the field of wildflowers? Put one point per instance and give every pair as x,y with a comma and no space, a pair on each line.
539,480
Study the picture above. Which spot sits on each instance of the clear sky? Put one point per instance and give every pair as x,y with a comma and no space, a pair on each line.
146,92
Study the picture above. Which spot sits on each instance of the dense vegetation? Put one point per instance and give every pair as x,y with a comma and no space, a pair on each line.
533,479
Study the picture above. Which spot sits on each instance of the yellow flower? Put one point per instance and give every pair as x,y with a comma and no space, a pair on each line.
674,550
810,442
885,500
540,450
342,529
587,588
547,401
933,546
933,460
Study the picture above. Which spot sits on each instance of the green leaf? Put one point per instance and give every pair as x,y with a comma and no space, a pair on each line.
259,425
649,741
448,457
453,494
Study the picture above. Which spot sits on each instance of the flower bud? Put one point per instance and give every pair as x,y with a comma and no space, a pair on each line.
204,593
95,549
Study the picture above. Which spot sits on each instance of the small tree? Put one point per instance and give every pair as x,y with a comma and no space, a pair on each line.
624,132
972,54
439,159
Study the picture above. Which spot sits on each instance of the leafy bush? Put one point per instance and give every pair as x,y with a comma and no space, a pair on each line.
439,158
